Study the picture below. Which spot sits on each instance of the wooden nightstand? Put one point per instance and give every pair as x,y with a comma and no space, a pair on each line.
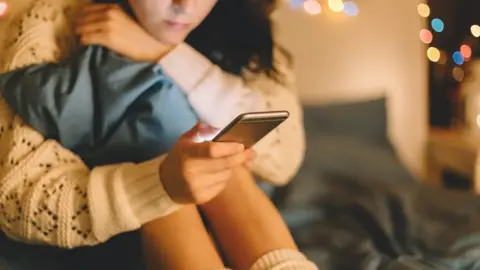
450,151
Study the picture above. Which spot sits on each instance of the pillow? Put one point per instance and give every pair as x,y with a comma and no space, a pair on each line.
349,139
364,120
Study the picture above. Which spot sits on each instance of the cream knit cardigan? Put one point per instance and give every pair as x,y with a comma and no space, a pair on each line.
48,195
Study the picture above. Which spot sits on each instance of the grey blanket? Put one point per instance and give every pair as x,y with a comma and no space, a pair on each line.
354,205
366,224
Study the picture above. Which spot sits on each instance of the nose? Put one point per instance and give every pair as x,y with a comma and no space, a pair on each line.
185,6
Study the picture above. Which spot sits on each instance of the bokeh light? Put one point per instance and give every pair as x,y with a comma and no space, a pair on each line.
458,74
350,8
336,5
458,58
475,29
3,8
426,36
423,10
438,25
433,54
466,51
296,3
312,7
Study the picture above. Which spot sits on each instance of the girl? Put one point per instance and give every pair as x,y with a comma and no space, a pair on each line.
92,34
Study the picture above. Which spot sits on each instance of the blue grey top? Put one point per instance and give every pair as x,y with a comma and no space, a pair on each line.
104,107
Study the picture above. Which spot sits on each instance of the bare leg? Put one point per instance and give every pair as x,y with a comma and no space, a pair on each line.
245,222
178,242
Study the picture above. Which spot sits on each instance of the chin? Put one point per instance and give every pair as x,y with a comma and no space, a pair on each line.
172,40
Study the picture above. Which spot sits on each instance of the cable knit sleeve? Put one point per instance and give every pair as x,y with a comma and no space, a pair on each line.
210,91
47,194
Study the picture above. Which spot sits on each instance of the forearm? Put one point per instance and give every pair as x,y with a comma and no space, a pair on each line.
50,197
100,204
281,152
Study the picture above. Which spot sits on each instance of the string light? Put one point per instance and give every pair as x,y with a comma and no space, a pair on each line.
3,8
433,54
312,7
336,5
459,57
423,10
426,36
475,29
438,25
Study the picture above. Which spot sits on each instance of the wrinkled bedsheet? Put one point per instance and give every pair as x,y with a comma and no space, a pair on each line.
366,224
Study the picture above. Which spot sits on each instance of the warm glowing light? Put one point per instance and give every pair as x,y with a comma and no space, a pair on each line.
433,54
423,10
312,7
3,8
336,5
350,8
466,51
475,29
458,74
426,36
438,25
478,120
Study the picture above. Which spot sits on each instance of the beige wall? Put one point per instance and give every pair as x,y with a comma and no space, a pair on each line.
344,58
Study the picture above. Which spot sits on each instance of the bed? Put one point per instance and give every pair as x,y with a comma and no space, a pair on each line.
354,205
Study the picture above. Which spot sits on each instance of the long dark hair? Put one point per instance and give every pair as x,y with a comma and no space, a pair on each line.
237,35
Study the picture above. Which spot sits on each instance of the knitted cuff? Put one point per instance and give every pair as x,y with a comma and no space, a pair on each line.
284,259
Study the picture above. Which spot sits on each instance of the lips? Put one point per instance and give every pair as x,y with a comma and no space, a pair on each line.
177,25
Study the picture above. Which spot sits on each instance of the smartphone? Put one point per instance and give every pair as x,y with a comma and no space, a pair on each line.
249,128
